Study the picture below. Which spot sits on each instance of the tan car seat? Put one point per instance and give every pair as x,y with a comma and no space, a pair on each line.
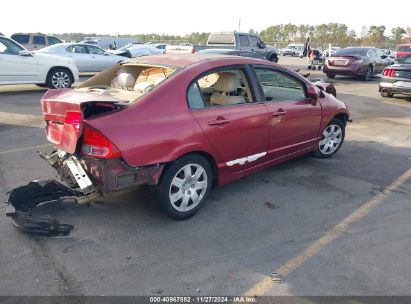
226,84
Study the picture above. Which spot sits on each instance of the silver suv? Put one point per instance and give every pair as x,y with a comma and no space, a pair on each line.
34,42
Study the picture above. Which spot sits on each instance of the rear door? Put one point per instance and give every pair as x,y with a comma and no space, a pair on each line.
294,120
238,131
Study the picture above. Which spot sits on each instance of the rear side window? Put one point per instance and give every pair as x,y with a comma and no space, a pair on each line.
227,87
244,40
278,87
77,49
39,40
23,39
53,40
404,48
407,60
194,97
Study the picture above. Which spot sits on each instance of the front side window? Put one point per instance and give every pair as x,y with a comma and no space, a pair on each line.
279,87
77,49
39,40
95,50
23,39
407,60
8,47
244,40
254,41
220,88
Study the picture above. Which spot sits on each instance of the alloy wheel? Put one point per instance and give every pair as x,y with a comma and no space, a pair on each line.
331,139
60,80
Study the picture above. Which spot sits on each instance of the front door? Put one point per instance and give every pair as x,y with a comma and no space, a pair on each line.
236,127
294,119
81,56
15,68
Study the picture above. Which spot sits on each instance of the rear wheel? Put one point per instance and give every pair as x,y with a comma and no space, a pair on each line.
368,73
59,78
184,186
331,139
386,94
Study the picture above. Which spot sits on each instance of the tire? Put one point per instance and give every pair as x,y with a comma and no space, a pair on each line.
386,94
368,73
329,75
332,139
59,78
182,193
273,58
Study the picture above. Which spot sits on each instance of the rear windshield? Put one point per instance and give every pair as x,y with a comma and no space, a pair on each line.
404,48
352,51
23,39
127,82
221,39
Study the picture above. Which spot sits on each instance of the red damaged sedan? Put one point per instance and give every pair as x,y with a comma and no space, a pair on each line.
186,123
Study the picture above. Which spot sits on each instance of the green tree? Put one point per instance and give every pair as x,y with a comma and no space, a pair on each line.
397,34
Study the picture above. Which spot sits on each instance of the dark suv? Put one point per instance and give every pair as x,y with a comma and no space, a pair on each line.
356,61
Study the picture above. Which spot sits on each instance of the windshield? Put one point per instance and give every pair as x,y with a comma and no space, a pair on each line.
128,82
352,52
291,46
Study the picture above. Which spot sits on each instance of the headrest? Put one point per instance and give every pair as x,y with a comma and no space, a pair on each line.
126,80
143,86
227,82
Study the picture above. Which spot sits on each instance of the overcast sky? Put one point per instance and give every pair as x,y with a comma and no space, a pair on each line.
183,17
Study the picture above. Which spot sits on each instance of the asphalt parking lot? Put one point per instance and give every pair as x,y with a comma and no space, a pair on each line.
336,226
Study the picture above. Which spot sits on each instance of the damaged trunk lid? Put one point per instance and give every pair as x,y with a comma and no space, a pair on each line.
64,111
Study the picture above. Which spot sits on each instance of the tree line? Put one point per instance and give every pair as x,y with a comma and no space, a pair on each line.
320,35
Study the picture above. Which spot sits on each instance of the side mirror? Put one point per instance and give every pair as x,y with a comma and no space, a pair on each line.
313,93
261,45
383,56
25,53
106,53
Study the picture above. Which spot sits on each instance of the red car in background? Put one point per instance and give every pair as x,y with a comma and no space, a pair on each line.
401,51
185,123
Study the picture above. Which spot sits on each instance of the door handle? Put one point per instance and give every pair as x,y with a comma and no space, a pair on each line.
219,121
280,112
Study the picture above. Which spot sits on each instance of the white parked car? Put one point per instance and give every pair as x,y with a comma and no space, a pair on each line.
88,58
293,49
327,52
137,50
18,65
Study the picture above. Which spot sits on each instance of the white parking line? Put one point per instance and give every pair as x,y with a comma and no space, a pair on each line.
24,149
266,284
17,119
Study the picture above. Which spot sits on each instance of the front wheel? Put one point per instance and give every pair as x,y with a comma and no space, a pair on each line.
386,94
329,75
59,78
184,186
331,139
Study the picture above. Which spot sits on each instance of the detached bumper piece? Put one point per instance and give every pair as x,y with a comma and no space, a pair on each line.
36,193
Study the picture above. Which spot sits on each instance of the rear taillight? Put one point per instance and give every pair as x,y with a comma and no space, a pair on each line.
97,145
193,51
388,72
74,119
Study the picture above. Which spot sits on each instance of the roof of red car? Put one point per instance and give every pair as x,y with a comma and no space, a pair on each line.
184,60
